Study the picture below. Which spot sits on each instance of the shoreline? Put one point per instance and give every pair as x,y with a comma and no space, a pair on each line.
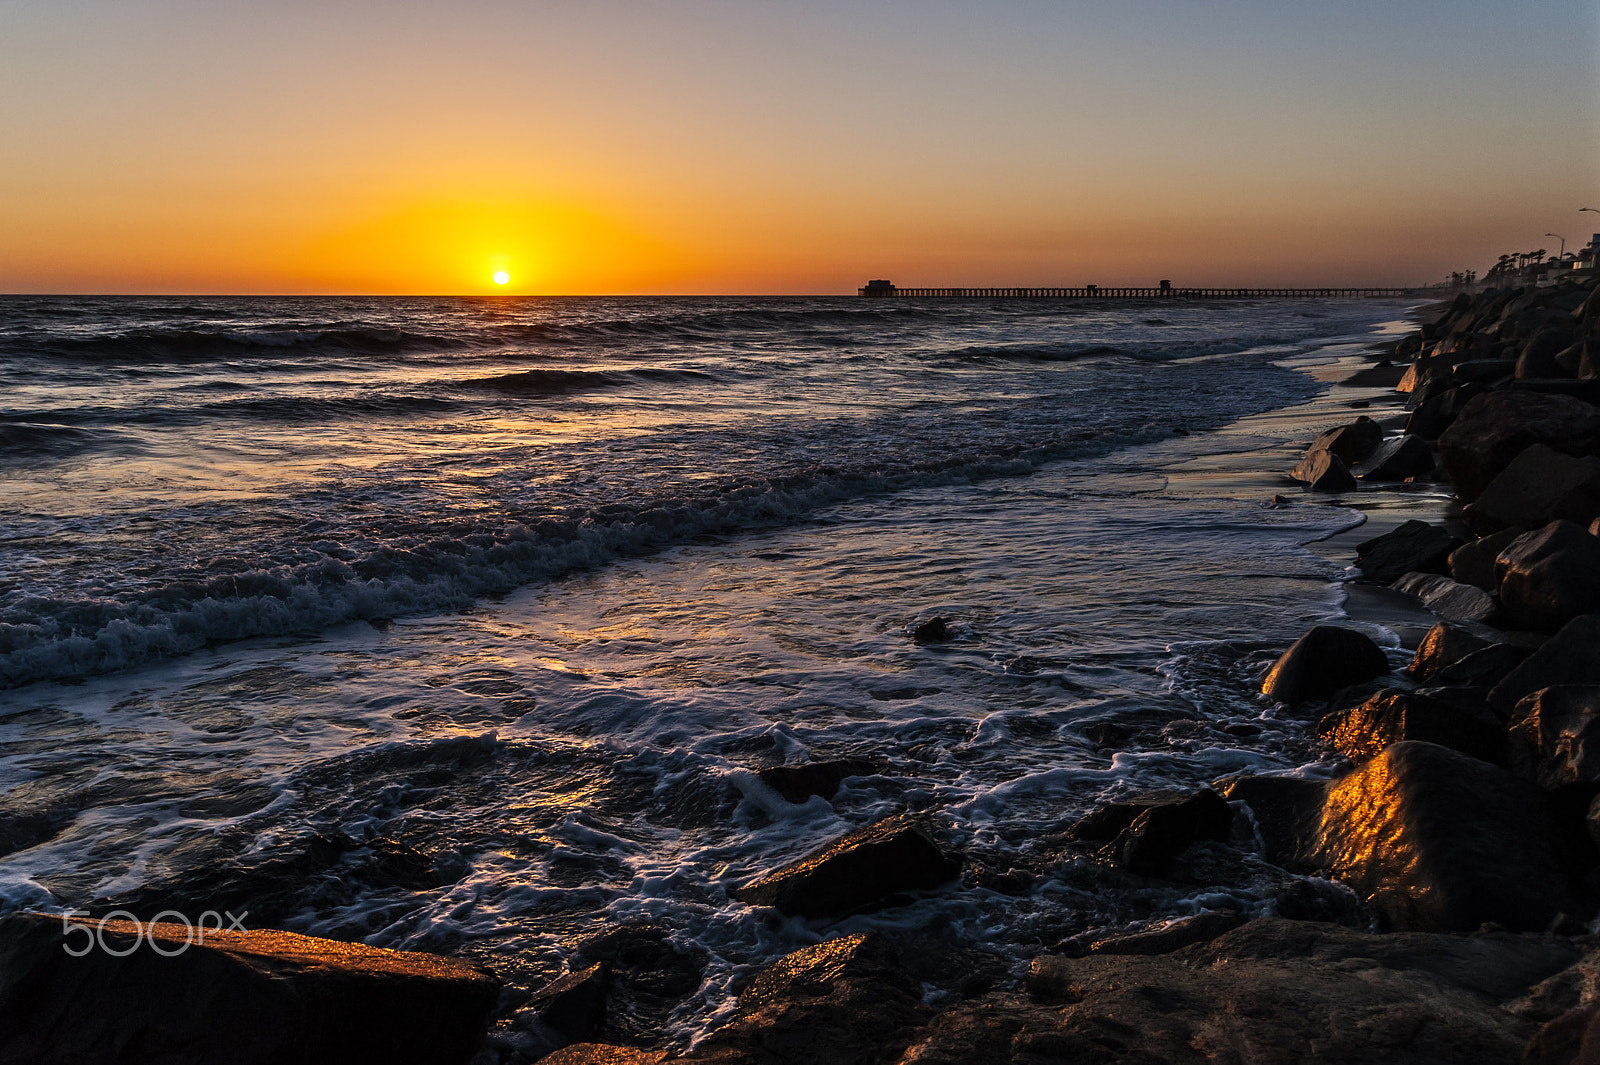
1310,980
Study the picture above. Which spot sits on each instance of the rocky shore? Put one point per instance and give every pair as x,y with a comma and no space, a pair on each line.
1447,880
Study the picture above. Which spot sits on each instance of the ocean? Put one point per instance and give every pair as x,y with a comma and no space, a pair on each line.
465,625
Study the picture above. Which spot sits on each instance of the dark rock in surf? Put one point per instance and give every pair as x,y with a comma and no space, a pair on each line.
1539,486
1398,459
1495,428
1549,577
855,871
933,630
1161,832
1436,840
1443,645
1361,733
1173,935
1323,471
1322,662
1352,442
575,1004
1555,736
1415,546
1571,656
797,783
242,998
1473,563
647,977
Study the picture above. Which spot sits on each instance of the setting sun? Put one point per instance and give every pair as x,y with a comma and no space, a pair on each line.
501,277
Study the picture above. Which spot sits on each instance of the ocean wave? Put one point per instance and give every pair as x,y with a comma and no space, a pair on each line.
29,440
540,382
189,345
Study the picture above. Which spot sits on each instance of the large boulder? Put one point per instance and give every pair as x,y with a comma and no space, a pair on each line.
1539,486
1495,428
1571,656
1435,414
1435,840
1448,598
1361,733
1147,831
1323,471
846,1001
1443,645
1323,661
1549,577
854,871
1540,355
1272,991
1400,458
1555,736
153,993
1352,442
1415,546
1473,563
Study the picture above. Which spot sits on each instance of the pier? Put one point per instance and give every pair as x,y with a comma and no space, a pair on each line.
1164,291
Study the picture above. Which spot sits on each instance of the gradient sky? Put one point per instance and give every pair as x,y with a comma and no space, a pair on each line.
614,146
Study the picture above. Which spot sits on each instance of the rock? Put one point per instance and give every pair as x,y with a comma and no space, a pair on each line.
1473,563
1434,415
603,1054
1549,577
1352,442
1435,840
1444,644
237,998
846,1001
1321,662
1570,359
797,783
1539,486
1448,598
1323,471
854,871
1586,390
575,1004
1362,732
1397,459
1418,372
1271,991
1164,831
1482,668
647,977
1415,546
1571,656
1286,811
1555,736
1172,935
1539,357
1436,380
1495,428
933,630
1484,370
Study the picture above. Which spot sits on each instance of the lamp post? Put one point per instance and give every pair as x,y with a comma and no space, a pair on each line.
1563,241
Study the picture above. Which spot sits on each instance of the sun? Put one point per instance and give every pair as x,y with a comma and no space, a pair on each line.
501,277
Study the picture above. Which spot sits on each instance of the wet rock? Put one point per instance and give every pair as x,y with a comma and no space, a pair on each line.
1270,991
1482,668
238,998
1555,736
854,871
1415,546
1323,471
1322,662
1495,428
603,1054
1352,442
933,630
1172,935
648,977
1473,563
1397,459
1285,812
1435,840
1448,598
1571,656
575,1004
1165,830
1435,414
1444,644
844,1002
1549,577
1539,486
797,783
1361,733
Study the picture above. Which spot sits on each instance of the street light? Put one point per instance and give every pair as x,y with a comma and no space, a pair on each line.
1563,241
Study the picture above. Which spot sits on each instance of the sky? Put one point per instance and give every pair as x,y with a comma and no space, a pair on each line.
755,147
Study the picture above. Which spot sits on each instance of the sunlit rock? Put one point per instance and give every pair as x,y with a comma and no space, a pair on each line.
1322,662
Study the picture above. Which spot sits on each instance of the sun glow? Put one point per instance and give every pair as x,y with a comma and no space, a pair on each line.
501,277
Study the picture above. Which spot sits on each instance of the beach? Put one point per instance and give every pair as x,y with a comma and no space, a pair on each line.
512,643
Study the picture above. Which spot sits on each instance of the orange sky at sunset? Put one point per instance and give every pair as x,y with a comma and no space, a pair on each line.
180,146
